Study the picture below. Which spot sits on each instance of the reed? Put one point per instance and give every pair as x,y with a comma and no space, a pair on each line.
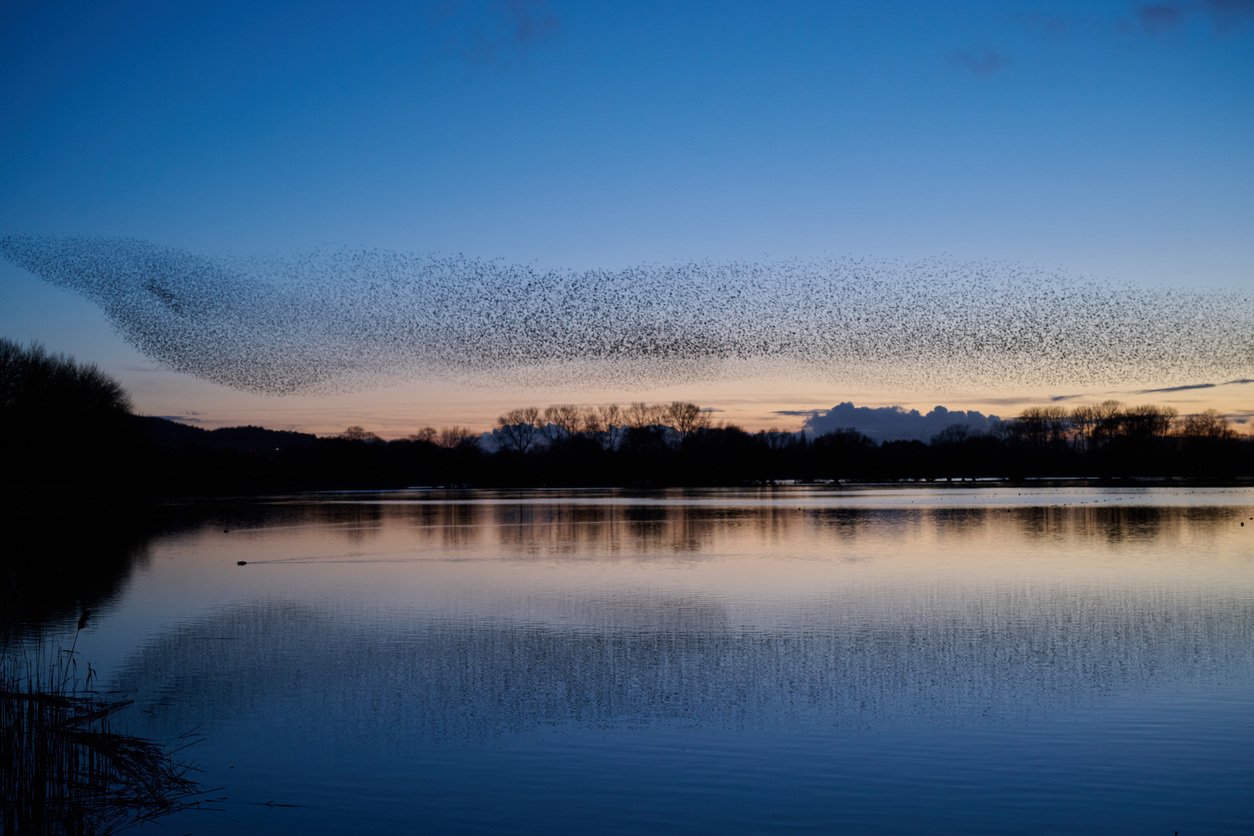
64,769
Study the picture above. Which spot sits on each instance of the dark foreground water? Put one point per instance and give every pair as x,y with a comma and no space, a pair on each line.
871,661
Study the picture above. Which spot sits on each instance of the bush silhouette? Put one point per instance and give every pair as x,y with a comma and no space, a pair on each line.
60,421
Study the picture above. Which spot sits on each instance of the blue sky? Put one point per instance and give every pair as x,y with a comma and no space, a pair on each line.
1109,140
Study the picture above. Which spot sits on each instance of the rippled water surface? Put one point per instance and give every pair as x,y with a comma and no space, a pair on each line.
862,661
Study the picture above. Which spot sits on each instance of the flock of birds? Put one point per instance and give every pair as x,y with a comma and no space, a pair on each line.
351,319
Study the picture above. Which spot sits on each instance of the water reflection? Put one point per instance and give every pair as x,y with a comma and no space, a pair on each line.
371,636
69,571
645,532
888,656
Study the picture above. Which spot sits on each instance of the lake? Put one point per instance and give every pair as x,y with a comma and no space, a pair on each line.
896,660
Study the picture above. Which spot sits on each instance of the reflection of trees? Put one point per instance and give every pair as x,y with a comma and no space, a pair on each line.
64,767
452,524
559,529
79,562
668,529
1115,525
669,524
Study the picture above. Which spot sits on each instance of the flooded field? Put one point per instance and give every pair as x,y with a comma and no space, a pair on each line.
870,661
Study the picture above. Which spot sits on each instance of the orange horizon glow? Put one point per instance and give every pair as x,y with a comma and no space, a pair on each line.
396,412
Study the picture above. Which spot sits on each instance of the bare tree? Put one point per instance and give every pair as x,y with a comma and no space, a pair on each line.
685,418
1109,416
640,414
426,434
358,433
516,429
612,415
1057,425
455,436
1208,424
778,439
561,421
1084,421
1032,426
606,424
591,423
1096,424
1149,421
953,434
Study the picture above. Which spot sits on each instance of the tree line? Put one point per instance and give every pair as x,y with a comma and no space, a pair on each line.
67,424
677,443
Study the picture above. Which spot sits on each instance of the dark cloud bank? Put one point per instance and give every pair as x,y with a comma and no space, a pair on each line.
894,423
344,320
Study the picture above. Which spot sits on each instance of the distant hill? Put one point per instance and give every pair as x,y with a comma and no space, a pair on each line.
173,435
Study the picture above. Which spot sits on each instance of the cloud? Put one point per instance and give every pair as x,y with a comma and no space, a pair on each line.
1183,388
530,20
353,319
1229,14
980,61
893,423
1159,17
495,33
1188,386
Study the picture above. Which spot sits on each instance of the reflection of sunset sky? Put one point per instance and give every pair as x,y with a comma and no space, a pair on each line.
1110,144
917,584
755,558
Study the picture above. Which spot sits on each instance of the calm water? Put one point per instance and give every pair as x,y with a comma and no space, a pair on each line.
875,661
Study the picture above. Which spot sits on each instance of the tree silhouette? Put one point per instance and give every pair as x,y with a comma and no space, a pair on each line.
60,421
1209,424
685,418
516,429
561,421
640,415
34,382
427,435
361,434
454,437
605,423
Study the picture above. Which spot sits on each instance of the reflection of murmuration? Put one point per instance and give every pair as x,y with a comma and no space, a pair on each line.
349,319
879,661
